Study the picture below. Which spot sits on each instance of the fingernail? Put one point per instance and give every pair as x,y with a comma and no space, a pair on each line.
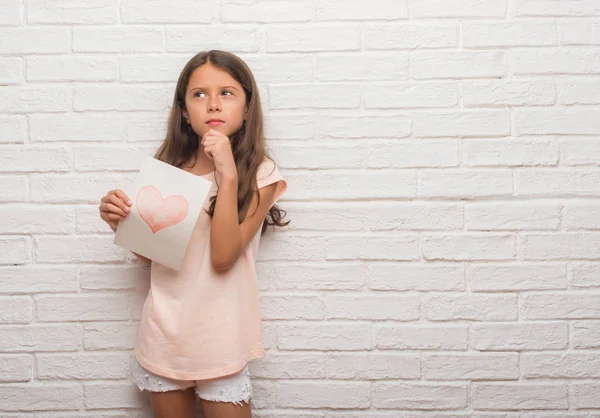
126,209
129,202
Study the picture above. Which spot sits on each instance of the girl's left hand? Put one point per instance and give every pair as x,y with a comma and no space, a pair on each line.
218,148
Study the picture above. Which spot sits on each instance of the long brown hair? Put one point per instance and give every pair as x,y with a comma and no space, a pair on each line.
247,144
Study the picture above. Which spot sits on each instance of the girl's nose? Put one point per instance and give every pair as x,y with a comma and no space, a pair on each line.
213,106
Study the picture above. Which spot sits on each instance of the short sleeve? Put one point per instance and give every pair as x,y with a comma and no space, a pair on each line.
268,173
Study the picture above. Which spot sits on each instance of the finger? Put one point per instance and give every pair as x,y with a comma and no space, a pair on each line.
113,217
121,194
108,208
119,203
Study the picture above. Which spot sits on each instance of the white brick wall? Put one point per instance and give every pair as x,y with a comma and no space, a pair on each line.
443,158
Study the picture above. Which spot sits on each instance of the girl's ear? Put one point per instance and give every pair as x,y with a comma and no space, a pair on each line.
184,112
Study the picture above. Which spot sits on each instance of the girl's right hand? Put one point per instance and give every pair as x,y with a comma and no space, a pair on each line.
114,207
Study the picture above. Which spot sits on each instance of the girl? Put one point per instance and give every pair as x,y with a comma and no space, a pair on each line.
201,326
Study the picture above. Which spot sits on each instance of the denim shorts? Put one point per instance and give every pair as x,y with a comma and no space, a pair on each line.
235,388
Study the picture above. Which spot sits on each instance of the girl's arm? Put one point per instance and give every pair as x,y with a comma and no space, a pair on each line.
228,237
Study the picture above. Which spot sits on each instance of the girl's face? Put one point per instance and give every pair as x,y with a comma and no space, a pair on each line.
214,100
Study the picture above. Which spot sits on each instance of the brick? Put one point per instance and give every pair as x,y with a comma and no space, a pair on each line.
229,38
137,11
508,34
103,395
420,396
266,12
16,368
77,127
13,129
121,158
521,336
471,366
509,152
357,10
373,366
30,40
312,276
16,310
291,307
119,98
34,158
72,188
585,395
469,247
462,123
109,335
375,307
319,156
558,121
562,246
458,64
14,188
33,338
581,215
25,99
26,279
320,96
69,68
421,337
118,39
561,365
572,305
365,185
282,69
410,95
287,125
11,71
325,336
520,396
395,247
507,92
529,215
579,151
572,182
290,366
72,11
297,248
15,250
375,216
555,61
323,394
40,397
422,277
361,126
353,67
578,91
39,219
13,13
579,32
522,276
557,8
470,307
313,38
458,8
83,366
410,35
584,275
78,249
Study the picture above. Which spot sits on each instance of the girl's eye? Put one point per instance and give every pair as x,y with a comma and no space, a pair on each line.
198,93
227,91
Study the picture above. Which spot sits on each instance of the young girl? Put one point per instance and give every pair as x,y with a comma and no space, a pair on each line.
200,326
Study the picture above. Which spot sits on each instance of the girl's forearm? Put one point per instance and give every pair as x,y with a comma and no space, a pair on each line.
225,232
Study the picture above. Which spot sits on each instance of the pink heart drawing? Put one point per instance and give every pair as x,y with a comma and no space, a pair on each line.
160,213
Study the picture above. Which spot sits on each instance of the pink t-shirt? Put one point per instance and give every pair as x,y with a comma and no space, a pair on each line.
197,323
